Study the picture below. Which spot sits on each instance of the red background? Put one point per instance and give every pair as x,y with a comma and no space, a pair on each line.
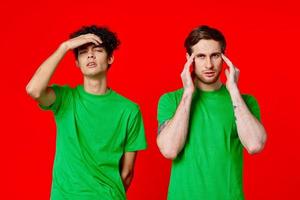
263,41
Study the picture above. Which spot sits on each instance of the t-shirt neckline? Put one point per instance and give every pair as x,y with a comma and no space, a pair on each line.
85,93
221,90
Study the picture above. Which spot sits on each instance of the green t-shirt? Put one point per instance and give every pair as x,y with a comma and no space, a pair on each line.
93,132
210,165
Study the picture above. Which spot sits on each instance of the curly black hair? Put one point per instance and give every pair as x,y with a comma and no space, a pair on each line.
109,39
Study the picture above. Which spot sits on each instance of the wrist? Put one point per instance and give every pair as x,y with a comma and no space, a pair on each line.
236,97
233,89
188,92
64,47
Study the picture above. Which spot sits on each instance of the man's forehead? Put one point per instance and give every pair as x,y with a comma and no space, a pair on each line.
207,47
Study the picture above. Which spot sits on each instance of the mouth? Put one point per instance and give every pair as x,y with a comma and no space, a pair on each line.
91,65
209,73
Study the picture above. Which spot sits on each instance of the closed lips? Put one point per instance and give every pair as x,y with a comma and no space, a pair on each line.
209,72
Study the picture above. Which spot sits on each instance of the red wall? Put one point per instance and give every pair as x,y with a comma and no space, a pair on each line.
263,41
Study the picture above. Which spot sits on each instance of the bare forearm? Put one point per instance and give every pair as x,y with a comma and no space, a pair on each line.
126,179
251,132
172,137
40,80
127,168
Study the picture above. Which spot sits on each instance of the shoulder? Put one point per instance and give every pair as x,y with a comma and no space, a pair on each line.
125,102
252,104
172,96
251,101
61,88
248,98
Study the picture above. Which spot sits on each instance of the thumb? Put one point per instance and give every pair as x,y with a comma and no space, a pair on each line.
187,56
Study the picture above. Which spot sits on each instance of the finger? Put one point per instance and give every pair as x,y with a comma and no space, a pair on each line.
229,64
191,58
237,72
93,36
186,70
227,61
187,56
227,73
189,62
91,40
98,39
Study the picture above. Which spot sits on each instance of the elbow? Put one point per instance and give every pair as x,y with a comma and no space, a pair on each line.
32,92
169,153
257,145
256,148
167,150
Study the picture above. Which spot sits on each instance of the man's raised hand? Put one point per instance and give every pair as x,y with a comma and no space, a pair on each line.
82,40
186,77
232,74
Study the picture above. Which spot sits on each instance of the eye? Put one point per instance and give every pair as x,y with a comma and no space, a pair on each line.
201,56
99,49
215,56
82,52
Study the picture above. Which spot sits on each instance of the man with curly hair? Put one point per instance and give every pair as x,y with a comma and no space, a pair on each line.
98,130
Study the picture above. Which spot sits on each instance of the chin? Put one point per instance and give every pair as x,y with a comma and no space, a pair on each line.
208,81
211,80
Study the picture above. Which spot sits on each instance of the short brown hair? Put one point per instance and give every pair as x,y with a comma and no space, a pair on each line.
204,32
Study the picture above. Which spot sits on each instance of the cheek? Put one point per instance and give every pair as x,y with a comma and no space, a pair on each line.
199,64
101,55
102,59
217,63
80,61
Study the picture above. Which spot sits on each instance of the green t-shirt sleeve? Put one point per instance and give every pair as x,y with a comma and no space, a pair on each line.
166,108
135,139
252,105
58,100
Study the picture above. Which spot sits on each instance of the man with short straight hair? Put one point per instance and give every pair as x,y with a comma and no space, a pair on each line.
98,130
204,126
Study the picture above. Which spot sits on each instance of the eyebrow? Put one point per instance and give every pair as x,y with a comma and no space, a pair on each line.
212,54
200,54
215,53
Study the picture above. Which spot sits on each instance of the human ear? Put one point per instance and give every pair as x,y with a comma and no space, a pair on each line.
77,63
110,60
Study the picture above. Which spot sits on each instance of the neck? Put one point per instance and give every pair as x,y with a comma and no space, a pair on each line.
208,87
95,85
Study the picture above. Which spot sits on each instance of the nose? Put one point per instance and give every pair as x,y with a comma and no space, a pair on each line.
91,54
209,64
